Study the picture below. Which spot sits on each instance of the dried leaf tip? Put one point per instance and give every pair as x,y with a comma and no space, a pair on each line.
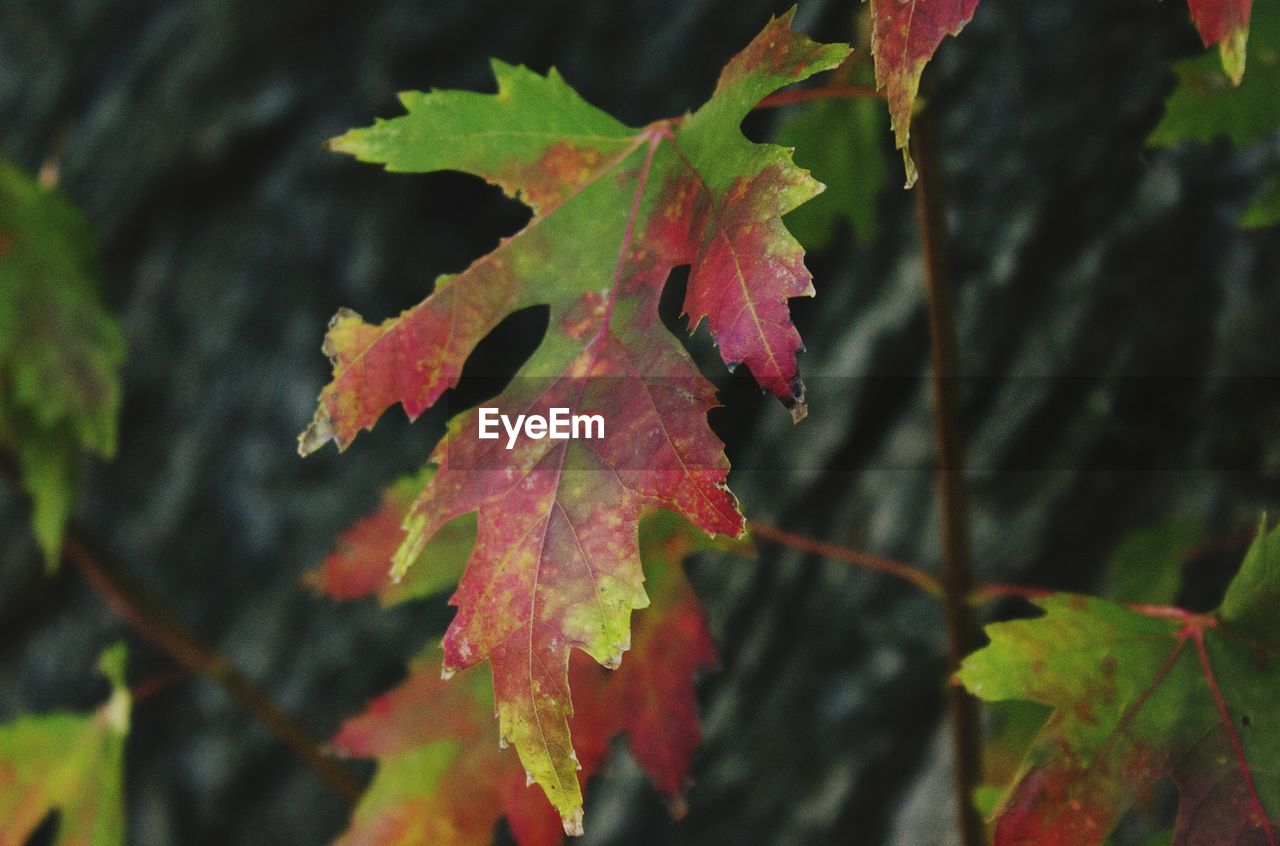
573,823
319,433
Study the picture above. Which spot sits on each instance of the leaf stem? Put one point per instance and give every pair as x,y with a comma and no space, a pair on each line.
866,560
154,686
842,91
956,575
159,627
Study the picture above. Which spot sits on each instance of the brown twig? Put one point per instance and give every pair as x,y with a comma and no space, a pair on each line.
956,576
989,591
843,91
155,624
156,685
867,560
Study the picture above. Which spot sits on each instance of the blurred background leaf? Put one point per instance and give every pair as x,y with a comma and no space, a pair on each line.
60,350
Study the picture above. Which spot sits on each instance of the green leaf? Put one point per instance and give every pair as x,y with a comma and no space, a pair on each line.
1139,694
839,142
1147,564
69,763
1265,211
60,351
1207,105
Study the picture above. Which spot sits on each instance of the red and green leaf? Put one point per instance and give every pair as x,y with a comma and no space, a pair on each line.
1226,24
556,566
908,32
1141,693
443,779
905,37
360,565
72,764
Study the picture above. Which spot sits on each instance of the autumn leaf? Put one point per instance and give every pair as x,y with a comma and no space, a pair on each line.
69,763
1226,24
905,36
1142,693
360,565
442,778
60,351
555,566
908,32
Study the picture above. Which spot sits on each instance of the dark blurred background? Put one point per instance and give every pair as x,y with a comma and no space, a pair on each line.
1086,267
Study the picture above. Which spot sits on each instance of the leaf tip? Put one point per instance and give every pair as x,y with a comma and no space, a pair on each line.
319,433
1233,53
796,403
573,823
910,165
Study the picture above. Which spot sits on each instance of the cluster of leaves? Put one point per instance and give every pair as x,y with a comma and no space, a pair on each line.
550,546
69,764
60,350
442,777
1138,693
554,567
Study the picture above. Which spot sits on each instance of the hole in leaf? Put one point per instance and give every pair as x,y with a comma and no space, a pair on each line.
496,359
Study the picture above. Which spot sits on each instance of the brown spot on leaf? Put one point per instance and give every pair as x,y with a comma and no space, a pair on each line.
558,172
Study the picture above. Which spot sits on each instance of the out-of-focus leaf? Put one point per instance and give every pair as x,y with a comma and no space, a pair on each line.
60,351
1147,564
1205,104
1265,211
839,141
69,763
361,564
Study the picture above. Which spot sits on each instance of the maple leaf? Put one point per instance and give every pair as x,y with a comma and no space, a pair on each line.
443,780
60,351
69,763
908,32
1141,693
555,566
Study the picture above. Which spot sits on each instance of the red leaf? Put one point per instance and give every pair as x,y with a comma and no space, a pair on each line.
1225,23
443,779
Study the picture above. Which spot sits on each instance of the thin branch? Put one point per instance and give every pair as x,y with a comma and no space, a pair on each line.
866,560
989,591
154,686
844,91
155,624
956,576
